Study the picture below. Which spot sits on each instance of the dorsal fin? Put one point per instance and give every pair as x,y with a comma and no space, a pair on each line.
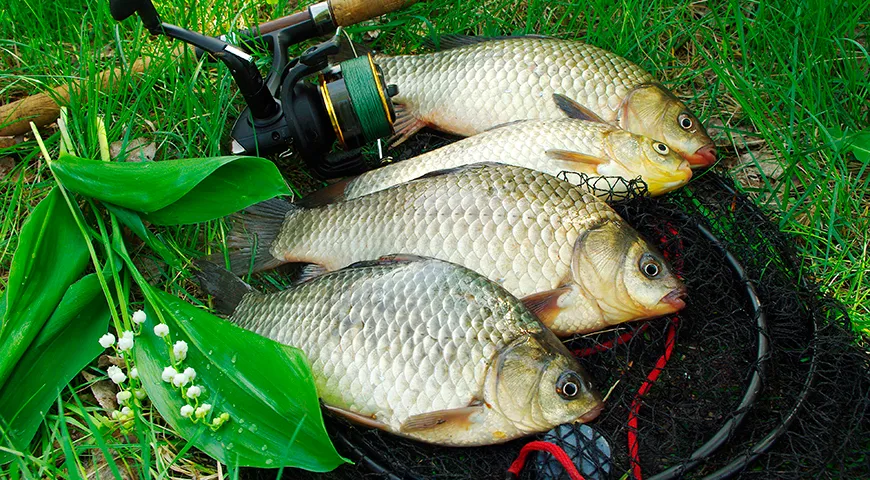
450,40
394,259
506,124
329,194
448,171
575,110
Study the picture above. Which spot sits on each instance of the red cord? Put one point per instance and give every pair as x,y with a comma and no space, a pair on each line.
585,352
553,449
644,389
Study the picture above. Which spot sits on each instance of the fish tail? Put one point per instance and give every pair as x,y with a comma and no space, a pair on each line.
406,124
254,230
226,288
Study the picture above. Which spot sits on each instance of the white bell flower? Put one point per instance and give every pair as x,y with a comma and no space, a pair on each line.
107,340
180,350
194,391
161,330
168,374
139,317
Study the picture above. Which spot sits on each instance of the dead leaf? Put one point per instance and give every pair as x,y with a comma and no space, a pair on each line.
724,135
138,150
104,391
107,360
98,468
6,166
763,162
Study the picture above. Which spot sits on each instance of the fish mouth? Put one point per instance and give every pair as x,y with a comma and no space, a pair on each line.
703,157
591,414
665,187
675,298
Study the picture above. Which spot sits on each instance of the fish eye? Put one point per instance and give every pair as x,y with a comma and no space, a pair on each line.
685,121
650,267
568,385
661,148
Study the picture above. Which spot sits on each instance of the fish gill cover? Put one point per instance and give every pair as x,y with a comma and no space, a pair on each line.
763,369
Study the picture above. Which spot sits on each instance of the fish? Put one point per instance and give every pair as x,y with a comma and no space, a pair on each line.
565,253
477,83
424,349
564,147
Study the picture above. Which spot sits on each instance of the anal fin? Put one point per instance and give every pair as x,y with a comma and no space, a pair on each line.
407,124
309,272
356,417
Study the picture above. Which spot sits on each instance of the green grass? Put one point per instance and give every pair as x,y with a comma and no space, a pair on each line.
784,87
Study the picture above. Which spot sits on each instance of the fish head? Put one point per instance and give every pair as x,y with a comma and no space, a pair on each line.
653,111
628,278
538,384
662,169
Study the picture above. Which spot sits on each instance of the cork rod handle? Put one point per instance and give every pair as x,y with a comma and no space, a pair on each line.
349,12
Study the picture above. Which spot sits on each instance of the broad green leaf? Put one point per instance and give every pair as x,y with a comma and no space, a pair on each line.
51,255
64,346
134,222
266,388
175,191
860,146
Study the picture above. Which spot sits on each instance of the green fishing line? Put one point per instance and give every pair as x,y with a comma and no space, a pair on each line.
361,83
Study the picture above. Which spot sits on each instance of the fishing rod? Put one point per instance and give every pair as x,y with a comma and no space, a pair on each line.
304,103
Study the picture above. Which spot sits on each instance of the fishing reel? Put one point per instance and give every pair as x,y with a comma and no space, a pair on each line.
304,103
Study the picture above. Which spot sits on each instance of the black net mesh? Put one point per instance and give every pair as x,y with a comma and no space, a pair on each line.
759,371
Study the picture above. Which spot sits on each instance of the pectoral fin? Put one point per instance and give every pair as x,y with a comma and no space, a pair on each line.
545,304
575,157
459,418
575,110
356,417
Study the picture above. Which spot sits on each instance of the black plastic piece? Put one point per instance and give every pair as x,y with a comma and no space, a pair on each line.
268,125
123,9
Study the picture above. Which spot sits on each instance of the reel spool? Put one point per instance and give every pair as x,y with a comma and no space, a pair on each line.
357,101
753,315
350,102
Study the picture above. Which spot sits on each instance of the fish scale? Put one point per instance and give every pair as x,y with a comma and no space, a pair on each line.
528,231
491,208
479,83
464,89
435,363
525,144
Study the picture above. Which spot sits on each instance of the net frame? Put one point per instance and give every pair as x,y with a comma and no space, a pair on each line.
736,444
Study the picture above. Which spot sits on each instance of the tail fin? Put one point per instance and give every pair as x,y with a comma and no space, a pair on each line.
226,288
254,231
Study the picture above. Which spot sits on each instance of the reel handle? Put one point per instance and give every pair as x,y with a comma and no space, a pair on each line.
123,9
350,12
